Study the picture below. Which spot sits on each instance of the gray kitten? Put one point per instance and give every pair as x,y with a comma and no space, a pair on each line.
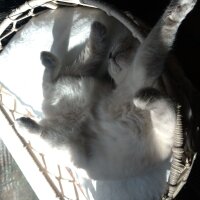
121,134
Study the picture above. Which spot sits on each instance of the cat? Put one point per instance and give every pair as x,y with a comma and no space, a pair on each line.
121,134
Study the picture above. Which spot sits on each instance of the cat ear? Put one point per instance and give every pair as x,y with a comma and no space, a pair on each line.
98,33
52,66
29,125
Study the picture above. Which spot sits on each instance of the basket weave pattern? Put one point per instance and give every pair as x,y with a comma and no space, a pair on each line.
62,180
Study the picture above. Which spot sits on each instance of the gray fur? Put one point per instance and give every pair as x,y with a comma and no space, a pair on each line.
119,135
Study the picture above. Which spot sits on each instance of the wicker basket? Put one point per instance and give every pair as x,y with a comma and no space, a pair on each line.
61,182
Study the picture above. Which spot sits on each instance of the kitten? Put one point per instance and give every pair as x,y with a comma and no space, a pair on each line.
122,137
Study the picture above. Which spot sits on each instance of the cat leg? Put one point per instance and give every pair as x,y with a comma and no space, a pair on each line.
30,125
29,129
150,57
55,139
162,117
93,55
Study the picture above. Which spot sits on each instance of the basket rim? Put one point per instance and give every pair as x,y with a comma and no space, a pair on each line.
109,9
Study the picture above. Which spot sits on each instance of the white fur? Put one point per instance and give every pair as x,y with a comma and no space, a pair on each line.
63,32
122,137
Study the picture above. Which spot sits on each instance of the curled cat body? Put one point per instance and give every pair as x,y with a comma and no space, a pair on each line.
63,32
121,133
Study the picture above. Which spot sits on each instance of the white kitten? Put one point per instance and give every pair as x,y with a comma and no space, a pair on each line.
122,137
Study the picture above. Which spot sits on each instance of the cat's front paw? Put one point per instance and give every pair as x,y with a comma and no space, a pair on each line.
177,10
147,99
32,132
52,66
28,125
161,107
162,119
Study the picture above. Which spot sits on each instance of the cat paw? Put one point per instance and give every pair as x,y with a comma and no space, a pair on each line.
52,66
177,10
28,124
31,132
147,99
49,60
